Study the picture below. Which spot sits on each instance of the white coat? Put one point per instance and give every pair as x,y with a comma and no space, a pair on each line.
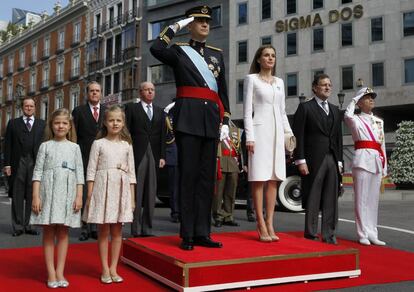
266,124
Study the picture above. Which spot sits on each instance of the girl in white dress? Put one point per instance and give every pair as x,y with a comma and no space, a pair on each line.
57,192
111,183
266,124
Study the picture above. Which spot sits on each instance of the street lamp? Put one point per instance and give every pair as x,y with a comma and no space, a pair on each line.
341,97
302,98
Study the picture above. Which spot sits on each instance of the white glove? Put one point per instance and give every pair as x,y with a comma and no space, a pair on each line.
224,133
168,107
179,25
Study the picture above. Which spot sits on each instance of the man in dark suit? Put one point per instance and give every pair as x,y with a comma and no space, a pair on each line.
88,120
201,105
317,127
23,138
146,123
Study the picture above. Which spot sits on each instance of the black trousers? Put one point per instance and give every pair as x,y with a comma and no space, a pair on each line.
197,167
323,196
22,194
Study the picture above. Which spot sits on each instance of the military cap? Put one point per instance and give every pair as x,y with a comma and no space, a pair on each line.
364,91
199,11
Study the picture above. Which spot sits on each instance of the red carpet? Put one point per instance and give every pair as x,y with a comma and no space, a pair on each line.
24,270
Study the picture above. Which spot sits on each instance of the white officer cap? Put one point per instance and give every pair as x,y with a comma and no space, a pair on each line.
364,91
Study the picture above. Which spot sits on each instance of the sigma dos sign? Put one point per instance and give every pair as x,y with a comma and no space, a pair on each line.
295,23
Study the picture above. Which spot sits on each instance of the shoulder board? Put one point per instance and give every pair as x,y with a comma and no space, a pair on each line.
182,44
214,48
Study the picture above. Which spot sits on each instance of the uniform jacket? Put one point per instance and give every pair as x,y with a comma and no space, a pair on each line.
13,144
193,116
144,131
314,140
86,129
367,159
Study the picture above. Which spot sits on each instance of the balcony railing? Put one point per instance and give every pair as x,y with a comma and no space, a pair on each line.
44,85
75,73
32,89
95,65
129,94
120,19
45,54
130,53
76,40
59,79
33,60
60,47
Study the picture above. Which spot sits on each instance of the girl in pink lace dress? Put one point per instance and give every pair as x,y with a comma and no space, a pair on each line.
111,182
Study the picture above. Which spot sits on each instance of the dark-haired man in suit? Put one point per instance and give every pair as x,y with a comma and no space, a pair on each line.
23,138
146,123
88,120
317,127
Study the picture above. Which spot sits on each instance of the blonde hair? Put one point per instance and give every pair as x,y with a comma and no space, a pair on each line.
255,66
124,134
71,135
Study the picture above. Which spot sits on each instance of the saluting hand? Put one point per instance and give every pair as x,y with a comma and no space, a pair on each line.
183,23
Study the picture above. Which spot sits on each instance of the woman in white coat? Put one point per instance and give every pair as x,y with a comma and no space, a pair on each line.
266,124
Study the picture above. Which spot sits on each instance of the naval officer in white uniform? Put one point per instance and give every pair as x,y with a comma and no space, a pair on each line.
369,163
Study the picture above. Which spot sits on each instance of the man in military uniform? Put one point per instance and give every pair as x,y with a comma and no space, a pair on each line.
201,106
223,202
369,164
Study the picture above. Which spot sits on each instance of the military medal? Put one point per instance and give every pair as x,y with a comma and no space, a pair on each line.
214,60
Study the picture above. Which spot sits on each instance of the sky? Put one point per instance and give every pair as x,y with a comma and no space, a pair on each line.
31,5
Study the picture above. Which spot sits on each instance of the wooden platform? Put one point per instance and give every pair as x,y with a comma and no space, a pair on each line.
242,262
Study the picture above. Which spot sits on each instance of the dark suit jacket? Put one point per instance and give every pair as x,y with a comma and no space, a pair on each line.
13,144
86,129
314,140
144,131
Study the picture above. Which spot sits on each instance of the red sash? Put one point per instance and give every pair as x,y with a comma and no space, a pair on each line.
228,152
201,93
371,145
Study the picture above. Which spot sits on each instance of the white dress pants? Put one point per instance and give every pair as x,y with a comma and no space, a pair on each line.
366,188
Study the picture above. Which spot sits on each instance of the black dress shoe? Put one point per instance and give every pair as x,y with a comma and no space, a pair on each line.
94,234
187,244
218,223
231,223
251,218
206,242
84,236
331,240
311,237
17,233
31,232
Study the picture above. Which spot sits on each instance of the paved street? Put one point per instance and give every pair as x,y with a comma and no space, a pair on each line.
396,219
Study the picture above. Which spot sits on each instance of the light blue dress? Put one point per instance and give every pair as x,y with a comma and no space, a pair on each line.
59,169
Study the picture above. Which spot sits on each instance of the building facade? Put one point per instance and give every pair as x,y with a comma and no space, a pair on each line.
45,61
114,48
161,13
349,40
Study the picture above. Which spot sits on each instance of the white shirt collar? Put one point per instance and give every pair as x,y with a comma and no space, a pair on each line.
91,106
320,100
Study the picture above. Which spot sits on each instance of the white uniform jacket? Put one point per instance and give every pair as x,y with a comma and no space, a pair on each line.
367,159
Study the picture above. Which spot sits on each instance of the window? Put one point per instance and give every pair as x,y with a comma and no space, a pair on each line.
155,28
266,9
34,52
408,20
409,70
346,1
45,77
10,89
376,29
242,13
44,108
59,71
75,65
161,74
33,80
46,46
1,93
267,40
59,99
11,63
317,39
242,52
76,32
240,84
116,82
317,4
292,84
129,36
347,77
61,40
346,34
290,6
378,74
1,68
74,97
108,85
291,44
22,57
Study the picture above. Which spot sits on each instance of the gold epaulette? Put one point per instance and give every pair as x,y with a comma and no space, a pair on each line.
226,114
214,48
182,44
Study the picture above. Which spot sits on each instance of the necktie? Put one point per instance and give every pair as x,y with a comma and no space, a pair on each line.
325,107
149,112
95,113
28,125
